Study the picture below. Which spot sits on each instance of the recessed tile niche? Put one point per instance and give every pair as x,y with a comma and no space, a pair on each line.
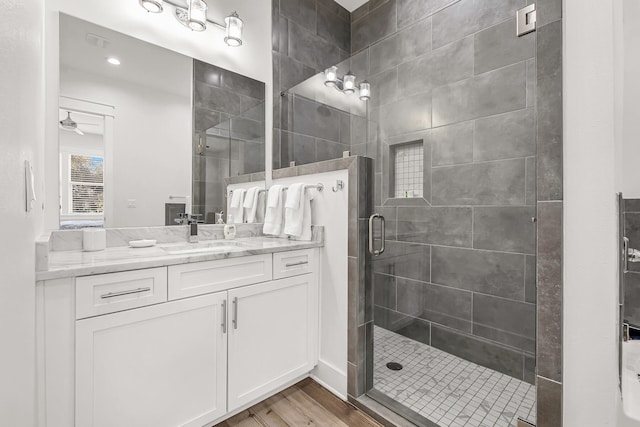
407,166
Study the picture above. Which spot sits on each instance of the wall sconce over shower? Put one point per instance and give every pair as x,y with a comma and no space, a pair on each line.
194,16
346,84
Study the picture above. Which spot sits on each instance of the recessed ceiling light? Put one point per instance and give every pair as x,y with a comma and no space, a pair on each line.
113,61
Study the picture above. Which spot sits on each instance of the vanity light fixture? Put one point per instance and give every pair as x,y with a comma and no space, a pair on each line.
194,16
197,15
234,30
347,84
153,6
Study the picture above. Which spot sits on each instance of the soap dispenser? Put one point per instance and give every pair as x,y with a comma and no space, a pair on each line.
229,228
219,219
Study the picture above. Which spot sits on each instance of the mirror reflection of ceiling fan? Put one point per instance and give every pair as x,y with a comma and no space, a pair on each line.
72,126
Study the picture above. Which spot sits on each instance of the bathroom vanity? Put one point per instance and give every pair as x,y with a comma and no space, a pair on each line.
175,335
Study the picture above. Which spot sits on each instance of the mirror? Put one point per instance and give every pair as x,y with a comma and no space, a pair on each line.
146,133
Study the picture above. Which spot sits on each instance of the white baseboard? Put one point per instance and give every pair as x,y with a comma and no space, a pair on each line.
331,378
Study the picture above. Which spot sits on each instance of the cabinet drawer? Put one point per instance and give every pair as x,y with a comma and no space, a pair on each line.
108,293
187,280
293,263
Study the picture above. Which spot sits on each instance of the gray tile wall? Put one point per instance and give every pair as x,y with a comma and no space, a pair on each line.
632,277
465,268
455,271
308,36
229,122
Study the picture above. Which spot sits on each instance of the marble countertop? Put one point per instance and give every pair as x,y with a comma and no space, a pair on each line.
78,263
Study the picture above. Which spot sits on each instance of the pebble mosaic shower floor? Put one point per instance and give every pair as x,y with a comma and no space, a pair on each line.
446,389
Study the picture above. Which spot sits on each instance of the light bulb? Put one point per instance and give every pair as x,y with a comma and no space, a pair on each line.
153,6
113,60
365,91
234,30
197,15
330,75
349,84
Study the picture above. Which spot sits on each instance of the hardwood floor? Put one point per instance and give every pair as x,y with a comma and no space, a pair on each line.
306,403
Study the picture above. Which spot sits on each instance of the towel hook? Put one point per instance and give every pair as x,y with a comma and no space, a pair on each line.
339,186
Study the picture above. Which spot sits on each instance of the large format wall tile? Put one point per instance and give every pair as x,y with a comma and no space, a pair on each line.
311,50
549,297
469,16
316,119
333,28
495,92
213,98
508,229
499,46
493,273
384,290
549,403
404,45
452,144
439,67
410,114
411,327
403,259
410,11
438,304
303,12
378,23
479,351
449,226
515,317
491,183
632,298
505,136
549,105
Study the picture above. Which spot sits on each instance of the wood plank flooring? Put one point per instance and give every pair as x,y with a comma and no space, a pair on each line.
306,403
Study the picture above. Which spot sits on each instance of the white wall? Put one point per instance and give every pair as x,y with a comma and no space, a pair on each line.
21,138
631,110
151,142
590,252
253,59
330,209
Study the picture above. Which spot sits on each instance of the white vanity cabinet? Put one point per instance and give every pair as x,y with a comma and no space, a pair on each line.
272,336
163,365
172,346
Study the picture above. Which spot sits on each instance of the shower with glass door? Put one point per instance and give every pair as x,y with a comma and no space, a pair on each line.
450,121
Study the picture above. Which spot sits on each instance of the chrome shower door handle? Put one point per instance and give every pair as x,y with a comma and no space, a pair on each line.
372,250
625,254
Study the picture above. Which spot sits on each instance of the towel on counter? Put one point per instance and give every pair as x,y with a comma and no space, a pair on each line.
273,217
251,204
298,212
236,208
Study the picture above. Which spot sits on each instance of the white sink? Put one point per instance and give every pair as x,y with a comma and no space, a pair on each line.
205,247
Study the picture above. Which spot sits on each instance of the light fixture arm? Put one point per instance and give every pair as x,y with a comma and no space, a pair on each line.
181,7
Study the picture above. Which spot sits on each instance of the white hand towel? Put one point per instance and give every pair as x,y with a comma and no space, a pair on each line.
273,217
306,216
251,204
235,207
294,210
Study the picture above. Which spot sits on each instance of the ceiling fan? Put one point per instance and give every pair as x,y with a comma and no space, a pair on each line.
72,126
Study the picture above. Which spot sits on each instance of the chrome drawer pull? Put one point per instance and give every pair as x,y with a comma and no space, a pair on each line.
294,264
235,313
119,294
224,316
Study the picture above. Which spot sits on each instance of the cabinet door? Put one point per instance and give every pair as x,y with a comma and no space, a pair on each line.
163,365
272,336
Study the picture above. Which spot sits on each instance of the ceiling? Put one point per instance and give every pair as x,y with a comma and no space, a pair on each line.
351,5
142,63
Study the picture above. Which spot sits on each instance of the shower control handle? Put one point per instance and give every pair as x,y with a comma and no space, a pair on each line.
372,250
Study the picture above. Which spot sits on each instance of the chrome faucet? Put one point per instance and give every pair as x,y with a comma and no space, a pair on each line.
187,219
